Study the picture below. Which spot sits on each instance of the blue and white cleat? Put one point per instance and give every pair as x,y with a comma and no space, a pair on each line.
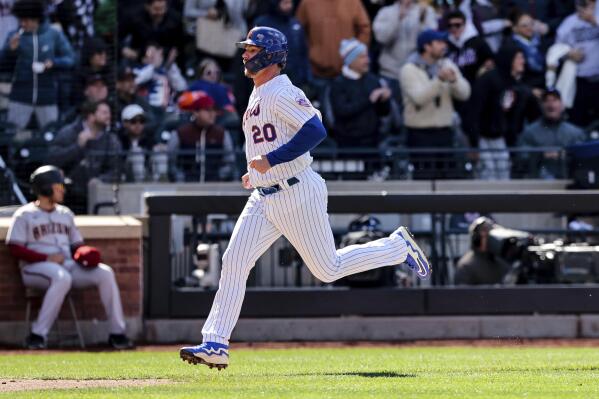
211,354
416,259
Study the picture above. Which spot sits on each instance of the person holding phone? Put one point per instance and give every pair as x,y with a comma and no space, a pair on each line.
34,53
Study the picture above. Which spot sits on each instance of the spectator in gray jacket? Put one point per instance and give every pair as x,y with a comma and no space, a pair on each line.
87,149
551,130
396,28
34,53
580,31
194,9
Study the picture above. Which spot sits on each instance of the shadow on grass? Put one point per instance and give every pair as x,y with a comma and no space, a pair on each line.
365,374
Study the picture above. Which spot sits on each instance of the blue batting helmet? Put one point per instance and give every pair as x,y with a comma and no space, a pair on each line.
273,44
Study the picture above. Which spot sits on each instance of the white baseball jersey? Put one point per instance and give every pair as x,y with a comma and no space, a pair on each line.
43,231
276,111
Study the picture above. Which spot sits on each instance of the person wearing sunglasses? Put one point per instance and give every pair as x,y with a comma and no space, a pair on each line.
472,55
209,80
466,48
527,36
138,143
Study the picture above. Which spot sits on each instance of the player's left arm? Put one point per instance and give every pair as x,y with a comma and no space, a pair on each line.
308,137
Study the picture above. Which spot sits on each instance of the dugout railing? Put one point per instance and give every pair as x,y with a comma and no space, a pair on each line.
164,299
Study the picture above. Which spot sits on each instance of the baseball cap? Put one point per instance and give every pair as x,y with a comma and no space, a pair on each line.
131,111
429,35
551,91
195,100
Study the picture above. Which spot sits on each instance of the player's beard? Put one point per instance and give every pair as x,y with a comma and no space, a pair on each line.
247,73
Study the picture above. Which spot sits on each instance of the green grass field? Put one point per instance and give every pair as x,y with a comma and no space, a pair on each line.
353,372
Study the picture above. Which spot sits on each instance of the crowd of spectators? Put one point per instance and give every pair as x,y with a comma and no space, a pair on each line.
137,76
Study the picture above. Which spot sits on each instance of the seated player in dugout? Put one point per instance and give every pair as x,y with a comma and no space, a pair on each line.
52,257
288,198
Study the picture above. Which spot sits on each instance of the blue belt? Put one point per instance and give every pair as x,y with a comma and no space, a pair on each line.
263,191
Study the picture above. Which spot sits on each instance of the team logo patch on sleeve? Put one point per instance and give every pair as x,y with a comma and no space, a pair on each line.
303,101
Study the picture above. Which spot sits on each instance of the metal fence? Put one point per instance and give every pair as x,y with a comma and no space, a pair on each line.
387,163
208,165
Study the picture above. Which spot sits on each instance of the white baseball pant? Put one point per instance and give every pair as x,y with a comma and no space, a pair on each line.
57,280
300,214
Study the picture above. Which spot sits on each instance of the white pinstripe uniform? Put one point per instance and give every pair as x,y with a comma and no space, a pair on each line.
276,111
51,233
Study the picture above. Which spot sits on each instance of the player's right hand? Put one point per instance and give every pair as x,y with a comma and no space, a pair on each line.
245,181
56,258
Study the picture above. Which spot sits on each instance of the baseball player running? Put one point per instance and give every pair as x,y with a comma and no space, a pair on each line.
281,127
43,236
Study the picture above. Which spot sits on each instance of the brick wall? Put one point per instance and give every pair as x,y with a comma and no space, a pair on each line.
122,254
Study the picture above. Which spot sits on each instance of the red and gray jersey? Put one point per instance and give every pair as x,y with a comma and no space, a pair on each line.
276,111
44,232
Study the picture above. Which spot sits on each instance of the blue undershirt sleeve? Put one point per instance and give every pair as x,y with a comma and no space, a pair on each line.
308,137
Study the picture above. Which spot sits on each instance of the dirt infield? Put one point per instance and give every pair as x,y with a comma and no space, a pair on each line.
30,385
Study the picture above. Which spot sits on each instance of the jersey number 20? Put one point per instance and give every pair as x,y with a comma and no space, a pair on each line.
267,133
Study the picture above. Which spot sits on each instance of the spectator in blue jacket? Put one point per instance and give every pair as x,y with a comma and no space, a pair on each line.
527,36
210,81
281,17
34,53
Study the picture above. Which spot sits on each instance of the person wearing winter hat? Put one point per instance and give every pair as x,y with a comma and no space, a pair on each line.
358,98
